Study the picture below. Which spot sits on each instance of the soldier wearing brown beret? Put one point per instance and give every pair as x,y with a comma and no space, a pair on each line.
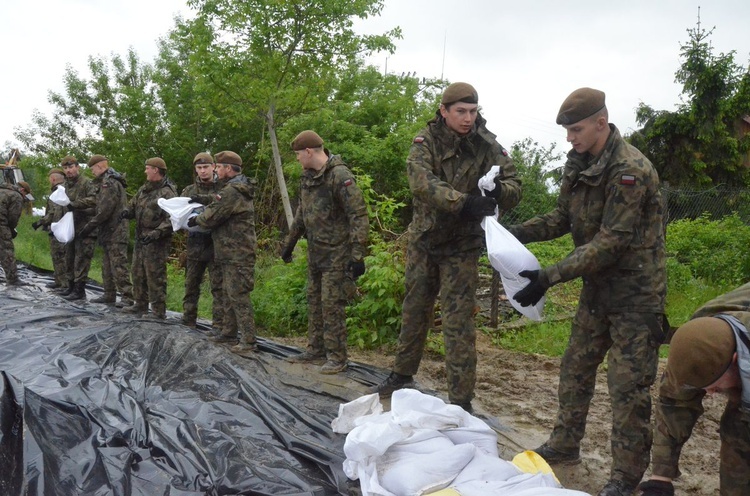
611,204
708,354
53,213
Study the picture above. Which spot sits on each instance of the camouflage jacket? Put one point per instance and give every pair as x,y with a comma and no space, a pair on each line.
148,215
82,195
678,409
111,200
332,215
612,206
11,203
231,219
443,170
200,245
53,212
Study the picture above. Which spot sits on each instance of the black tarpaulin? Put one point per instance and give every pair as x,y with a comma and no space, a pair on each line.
94,401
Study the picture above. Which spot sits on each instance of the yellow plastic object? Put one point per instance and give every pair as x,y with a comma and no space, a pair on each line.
448,491
530,462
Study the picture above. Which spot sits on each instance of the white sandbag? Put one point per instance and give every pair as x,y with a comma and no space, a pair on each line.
64,229
60,197
356,411
180,210
509,257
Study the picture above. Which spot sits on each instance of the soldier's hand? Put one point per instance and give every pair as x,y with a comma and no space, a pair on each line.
357,268
191,222
478,207
36,224
124,215
286,252
533,291
70,207
656,488
13,234
196,199
150,237
86,230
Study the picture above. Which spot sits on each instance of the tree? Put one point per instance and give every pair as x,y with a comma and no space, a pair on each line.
699,145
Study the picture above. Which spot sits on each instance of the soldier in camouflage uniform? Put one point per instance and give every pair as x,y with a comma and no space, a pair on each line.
610,202
200,247
11,204
710,353
333,216
153,239
54,213
231,219
111,231
80,251
445,163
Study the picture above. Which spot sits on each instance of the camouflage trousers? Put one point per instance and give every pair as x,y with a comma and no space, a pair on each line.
78,256
194,271
237,284
115,270
632,340
8,255
149,272
328,292
58,253
455,278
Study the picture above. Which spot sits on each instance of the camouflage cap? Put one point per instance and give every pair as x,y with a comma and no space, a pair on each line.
307,139
459,92
203,158
700,351
69,160
228,157
95,159
55,170
157,162
582,103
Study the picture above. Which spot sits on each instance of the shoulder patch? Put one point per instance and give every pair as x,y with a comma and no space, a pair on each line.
418,139
348,182
504,151
217,197
627,179
105,185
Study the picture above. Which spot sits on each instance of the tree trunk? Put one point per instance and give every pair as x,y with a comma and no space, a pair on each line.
277,163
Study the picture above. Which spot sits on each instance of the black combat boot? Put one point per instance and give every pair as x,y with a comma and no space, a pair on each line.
393,383
78,293
66,290
555,457
107,298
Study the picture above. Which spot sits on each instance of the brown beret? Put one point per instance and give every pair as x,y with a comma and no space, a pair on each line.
582,103
157,162
95,159
307,139
228,157
25,185
55,170
203,158
700,351
69,160
460,92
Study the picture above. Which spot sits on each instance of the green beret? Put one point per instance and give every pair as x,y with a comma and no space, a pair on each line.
95,159
203,158
582,103
157,162
460,92
228,157
55,170
306,139
69,160
700,351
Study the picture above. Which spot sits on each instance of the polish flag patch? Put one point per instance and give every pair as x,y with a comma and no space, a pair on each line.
418,139
348,182
627,179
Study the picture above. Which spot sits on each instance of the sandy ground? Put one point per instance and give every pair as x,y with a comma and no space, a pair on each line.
520,391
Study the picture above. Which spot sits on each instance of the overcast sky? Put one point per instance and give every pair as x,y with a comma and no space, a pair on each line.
524,57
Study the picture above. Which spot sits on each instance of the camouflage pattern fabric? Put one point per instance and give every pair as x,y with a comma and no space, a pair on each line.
231,219
200,257
112,232
149,268
443,170
53,213
80,251
11,203
612,206
333,216
678,410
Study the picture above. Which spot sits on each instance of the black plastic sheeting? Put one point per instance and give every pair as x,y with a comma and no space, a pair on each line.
95,401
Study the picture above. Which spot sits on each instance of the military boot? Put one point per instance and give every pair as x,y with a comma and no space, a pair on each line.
391,384
138,308
78,293
53,285
617,488
555,457
107,298
159,311
65,291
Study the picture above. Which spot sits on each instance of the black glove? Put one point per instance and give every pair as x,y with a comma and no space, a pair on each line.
13,234
534,290
478,207
286,252
70,207
656,488
86,230
197,199
191,221
36,224
123,215
150,237
357,268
